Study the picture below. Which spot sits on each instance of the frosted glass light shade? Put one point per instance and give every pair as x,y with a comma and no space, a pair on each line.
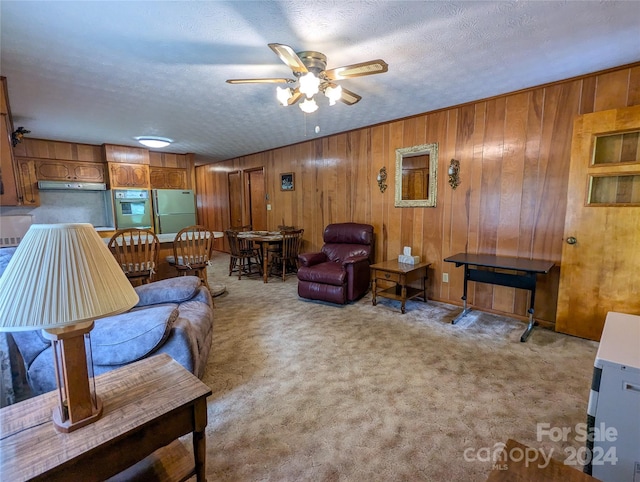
308,106
283,95
154,142
334,94
309,84
62,274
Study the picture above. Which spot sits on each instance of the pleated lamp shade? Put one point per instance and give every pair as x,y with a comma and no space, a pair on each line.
62,274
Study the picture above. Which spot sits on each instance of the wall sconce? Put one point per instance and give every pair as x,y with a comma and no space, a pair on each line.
17,135
382,179
454,173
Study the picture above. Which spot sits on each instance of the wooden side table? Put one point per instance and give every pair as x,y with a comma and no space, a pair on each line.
146,406
513,467
401,274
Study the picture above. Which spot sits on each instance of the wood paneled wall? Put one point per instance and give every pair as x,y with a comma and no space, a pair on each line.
514,153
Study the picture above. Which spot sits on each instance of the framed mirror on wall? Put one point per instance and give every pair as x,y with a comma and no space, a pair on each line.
416,176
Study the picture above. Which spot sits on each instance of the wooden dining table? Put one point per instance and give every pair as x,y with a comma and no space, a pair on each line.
264,239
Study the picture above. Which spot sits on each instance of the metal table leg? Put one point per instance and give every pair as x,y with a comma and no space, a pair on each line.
465,310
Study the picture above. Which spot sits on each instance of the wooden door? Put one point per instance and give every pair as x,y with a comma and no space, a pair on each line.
235,198
9,195
28,182
256,199
600,270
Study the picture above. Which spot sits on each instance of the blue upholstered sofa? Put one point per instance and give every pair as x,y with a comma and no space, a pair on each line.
173,316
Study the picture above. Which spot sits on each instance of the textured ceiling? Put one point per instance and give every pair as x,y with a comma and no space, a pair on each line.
106,71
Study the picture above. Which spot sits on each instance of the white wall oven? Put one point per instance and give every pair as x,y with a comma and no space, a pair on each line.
132,208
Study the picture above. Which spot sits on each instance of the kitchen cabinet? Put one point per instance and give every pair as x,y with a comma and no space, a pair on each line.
123,175
168,178
28,182
56,170
9,193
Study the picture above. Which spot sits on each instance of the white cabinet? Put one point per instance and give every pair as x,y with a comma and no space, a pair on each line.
614,404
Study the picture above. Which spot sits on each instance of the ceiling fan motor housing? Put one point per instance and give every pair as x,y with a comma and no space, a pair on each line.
314,61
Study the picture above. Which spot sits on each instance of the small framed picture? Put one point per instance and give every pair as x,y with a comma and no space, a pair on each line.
286,182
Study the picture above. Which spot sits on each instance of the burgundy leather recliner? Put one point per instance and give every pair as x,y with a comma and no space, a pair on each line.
340,272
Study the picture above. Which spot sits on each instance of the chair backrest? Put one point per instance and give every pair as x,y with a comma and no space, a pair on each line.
235,246
283,227
291,241
192,246
343,240
136,251
246,227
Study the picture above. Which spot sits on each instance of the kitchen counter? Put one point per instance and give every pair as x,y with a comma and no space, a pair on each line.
163,238
169,237
164,269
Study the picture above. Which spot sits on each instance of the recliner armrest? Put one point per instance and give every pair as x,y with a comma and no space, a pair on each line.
310,259
355,259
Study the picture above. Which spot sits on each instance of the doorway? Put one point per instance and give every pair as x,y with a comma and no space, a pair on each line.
234,180
256,199
600,269
247,199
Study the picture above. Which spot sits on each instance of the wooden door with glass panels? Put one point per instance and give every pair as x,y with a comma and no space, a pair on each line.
600,269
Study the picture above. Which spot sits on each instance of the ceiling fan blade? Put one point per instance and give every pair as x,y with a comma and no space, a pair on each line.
295,96
349,97
289,57
261,81
357,70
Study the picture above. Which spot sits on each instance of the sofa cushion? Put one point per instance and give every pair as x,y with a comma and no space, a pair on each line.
128,337
171,290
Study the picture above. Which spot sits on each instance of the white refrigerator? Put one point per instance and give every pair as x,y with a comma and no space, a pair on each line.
173,209
614,403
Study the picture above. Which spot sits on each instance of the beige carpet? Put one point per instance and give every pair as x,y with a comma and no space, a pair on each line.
311,391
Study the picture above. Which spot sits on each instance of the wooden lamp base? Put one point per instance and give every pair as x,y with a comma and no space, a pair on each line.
78,403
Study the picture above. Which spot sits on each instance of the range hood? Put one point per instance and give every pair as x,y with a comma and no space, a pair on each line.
71,186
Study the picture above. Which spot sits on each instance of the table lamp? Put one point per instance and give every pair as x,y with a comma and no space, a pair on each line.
60,279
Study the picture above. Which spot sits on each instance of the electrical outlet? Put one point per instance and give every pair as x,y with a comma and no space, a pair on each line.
268,207
445,277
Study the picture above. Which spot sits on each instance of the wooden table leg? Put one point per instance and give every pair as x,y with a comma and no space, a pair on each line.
199,439
265,261
373,291
424,286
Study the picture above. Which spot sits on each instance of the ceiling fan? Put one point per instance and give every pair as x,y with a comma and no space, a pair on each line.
309,69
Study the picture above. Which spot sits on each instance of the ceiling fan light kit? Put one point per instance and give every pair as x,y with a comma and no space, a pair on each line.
309,68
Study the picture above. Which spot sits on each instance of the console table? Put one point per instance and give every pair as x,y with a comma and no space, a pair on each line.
401,274
525,277
146,406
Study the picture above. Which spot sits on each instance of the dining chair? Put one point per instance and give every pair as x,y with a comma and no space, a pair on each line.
192,251
243,255
287,258
277,248
136,251
245,244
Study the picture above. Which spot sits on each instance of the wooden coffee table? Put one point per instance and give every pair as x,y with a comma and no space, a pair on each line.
401,274
146,406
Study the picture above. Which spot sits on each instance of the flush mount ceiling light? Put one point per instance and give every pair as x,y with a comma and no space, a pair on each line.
309,68
153,141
